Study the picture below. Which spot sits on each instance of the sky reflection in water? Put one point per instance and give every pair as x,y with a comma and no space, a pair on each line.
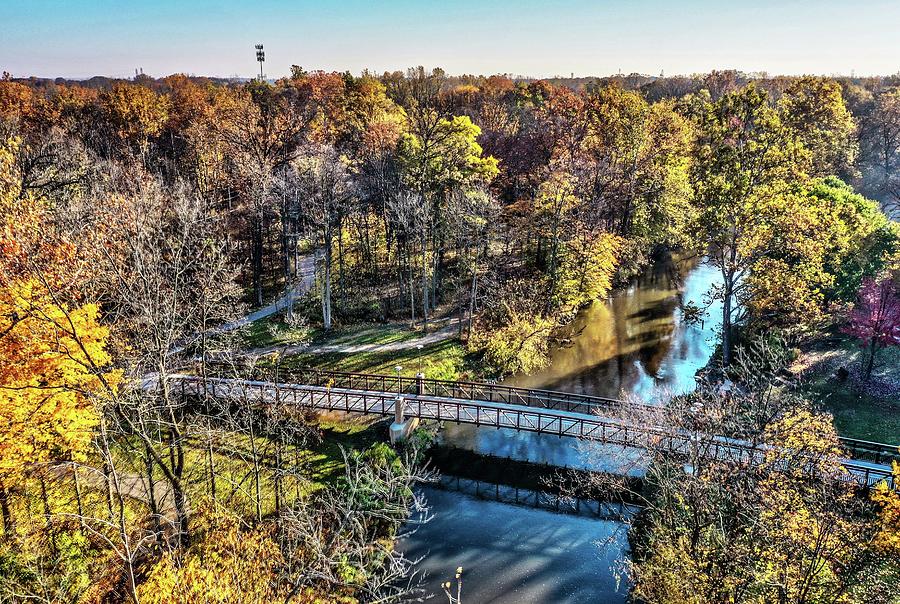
634,344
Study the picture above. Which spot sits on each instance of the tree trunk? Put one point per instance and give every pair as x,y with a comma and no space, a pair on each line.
151,492
424,287
326,285
256,253
726,323
9,526
472,295
176,455
870,360
341,282
412,295
256,469
48,514
277,478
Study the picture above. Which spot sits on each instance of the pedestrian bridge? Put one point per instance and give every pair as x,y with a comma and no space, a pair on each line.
541,411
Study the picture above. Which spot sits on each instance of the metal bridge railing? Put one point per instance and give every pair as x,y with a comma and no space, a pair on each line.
503,415
521,496
879,453
474,391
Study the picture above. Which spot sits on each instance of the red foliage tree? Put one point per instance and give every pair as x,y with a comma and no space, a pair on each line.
875,320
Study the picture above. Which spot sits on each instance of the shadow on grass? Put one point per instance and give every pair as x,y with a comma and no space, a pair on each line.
446,359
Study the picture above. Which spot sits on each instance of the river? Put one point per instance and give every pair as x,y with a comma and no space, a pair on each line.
636,343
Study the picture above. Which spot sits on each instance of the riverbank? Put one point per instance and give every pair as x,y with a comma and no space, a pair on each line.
636,342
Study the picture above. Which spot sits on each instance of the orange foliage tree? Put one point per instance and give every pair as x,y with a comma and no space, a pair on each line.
52,349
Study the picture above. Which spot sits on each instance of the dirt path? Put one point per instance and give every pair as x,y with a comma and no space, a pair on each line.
439,335
307,274
130,485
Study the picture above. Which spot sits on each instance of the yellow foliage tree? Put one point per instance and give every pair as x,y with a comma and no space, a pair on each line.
137,112
52,350
811,535
226,564
48,356
888,502
588,265
520,345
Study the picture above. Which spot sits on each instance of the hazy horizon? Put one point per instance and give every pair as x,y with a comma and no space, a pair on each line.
80,39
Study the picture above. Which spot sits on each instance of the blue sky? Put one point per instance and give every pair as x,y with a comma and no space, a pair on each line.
81,38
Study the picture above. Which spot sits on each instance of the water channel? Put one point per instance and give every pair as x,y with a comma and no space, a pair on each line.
637,343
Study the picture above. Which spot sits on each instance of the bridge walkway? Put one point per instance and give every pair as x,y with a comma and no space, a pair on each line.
559,422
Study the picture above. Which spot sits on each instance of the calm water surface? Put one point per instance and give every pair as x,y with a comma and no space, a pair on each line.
515,555
634,344
637,342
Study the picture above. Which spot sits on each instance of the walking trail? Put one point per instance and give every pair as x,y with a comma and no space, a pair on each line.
445,333
306,281
306,273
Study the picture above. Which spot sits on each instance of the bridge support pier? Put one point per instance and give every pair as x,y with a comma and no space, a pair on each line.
401,429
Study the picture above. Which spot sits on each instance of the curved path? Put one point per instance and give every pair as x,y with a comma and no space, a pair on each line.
306,274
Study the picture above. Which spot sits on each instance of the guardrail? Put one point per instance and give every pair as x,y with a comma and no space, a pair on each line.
879,453
480,391
504,415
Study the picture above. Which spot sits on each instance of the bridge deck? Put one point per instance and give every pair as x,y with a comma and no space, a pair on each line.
559,422
879,453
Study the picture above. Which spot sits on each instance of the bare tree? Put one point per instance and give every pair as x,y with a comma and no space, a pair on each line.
170,283
325,191
344,526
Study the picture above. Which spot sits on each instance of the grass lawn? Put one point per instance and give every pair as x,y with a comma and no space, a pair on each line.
313,466
870,413
864,417
367,334
272,331
446,360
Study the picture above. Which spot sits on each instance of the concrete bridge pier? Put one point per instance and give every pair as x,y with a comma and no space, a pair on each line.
401,429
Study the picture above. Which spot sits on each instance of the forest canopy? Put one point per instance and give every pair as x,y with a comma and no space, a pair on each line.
139,218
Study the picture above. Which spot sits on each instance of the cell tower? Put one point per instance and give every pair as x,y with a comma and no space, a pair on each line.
261,58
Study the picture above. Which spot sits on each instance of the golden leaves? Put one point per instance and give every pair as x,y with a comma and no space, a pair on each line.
227,564
52,361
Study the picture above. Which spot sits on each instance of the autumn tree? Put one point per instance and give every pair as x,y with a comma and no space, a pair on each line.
814,108
229,562
788,527
436,158
136,114
634,168
262,128
746,165
52,344
169,283
875,320
471,216
859,240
